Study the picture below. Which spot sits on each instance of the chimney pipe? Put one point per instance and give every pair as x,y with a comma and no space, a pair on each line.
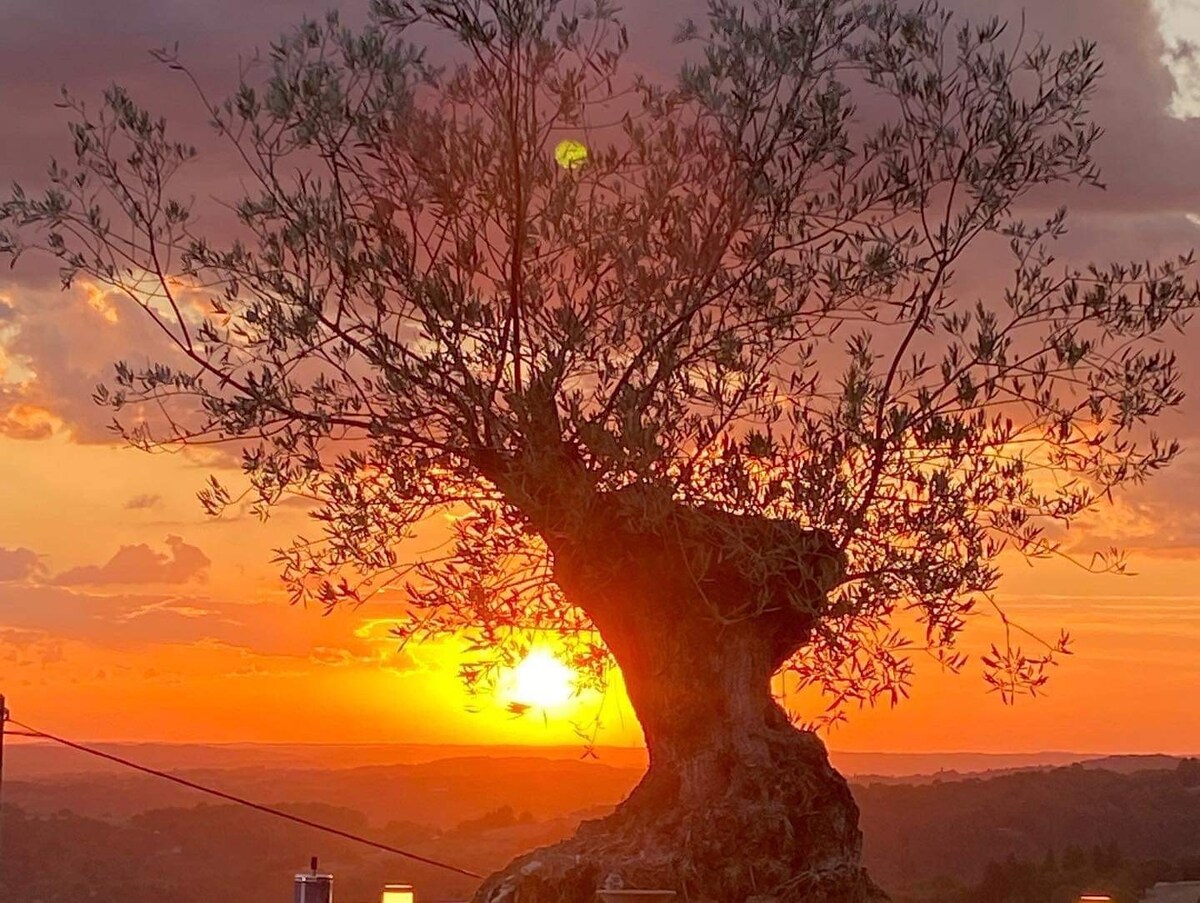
313,886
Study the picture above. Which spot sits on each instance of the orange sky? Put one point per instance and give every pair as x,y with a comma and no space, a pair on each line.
105,644
125,614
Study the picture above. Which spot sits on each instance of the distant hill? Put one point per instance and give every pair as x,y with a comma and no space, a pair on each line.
1125,764
920,831
440,793
438,785
32,760
1130,764
37,760
139,840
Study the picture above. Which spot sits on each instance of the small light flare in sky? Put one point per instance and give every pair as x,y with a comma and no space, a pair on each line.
540,680
570,154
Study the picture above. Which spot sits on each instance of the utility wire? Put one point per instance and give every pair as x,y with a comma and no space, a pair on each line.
33,732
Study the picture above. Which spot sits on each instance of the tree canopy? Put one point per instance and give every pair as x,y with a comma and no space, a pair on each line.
745,302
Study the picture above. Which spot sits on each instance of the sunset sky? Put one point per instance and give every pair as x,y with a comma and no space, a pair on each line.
126,614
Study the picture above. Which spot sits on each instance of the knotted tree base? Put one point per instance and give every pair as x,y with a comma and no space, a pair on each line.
700,608
768,821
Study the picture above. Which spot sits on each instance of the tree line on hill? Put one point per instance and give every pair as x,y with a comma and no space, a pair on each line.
1058,878
915,833
1036,837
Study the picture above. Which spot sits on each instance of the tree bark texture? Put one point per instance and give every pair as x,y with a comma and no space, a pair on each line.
737,804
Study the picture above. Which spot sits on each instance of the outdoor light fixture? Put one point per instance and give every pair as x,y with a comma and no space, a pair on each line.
398,893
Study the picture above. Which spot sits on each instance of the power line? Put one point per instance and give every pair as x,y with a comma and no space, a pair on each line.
167,776
3,722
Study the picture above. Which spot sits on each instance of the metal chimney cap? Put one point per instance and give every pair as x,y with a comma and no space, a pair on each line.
313,875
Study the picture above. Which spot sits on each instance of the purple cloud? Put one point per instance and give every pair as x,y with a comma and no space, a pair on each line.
140,564
1146,155
19,564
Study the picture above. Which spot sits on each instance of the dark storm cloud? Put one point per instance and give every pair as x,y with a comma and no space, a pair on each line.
87,45
1147,157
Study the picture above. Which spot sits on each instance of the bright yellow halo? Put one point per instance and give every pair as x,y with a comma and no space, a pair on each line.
540,681
570,154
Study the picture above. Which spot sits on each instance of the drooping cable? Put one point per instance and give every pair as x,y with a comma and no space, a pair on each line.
220,794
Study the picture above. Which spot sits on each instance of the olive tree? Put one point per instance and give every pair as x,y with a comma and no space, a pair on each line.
710,403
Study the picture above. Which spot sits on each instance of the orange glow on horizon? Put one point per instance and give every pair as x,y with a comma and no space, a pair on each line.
221,657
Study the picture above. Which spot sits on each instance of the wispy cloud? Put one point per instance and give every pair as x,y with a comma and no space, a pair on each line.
142,502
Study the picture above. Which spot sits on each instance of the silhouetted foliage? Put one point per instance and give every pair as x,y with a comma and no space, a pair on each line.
714,404
420,312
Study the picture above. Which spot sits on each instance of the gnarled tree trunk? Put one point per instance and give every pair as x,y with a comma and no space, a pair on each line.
737,804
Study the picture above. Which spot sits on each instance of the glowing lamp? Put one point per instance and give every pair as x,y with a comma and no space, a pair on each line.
398,893
570,154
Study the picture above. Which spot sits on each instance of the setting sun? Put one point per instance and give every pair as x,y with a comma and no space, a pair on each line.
541,680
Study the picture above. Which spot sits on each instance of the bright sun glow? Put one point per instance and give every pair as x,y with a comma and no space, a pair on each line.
540,681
